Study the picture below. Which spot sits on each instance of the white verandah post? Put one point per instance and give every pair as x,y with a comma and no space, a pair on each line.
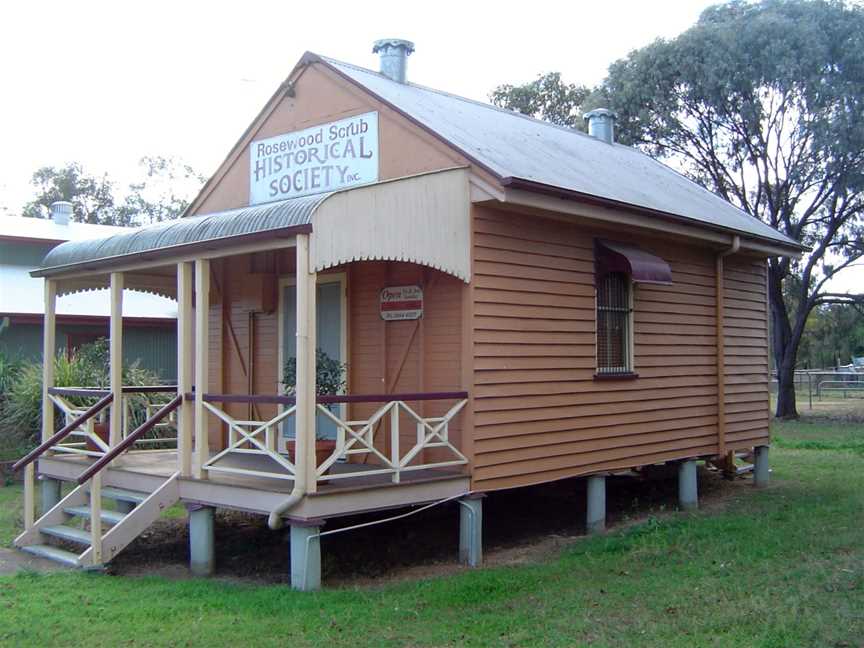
185,322
48,339
202,364
49,323
115,363
305,390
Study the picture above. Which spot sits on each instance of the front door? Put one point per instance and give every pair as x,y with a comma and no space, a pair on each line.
330,336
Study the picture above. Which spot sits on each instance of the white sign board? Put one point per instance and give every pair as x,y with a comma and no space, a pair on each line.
314,160
402,303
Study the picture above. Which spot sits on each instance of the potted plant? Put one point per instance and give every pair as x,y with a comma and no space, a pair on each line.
329,381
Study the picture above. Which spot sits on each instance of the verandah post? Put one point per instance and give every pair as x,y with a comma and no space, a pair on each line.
202,364
185,323
115,363
48,340
306,368
50,487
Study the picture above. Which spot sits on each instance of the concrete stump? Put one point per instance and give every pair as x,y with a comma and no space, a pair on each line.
50,490
688,485
761,468
201,541
595,518
471,530
305,557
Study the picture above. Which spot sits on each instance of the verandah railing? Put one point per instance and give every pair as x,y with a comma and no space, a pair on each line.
139,405
353,436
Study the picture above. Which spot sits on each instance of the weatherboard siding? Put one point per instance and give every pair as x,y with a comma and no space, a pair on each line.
538,412
746,342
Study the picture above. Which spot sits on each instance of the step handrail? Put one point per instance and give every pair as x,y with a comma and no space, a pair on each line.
34,454
130,439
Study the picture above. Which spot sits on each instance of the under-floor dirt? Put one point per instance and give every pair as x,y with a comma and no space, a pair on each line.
521,525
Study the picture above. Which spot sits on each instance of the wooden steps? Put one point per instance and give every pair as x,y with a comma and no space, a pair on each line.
109,517
122,495
50,552
69,522
67,533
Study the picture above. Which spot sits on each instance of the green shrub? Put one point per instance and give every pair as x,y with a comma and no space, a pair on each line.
329,379
87,367
10,367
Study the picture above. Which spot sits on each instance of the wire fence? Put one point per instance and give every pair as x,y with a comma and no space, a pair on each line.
824,384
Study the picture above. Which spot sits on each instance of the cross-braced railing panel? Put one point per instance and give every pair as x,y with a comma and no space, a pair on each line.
138,408
242,435
77,440
353,437
359,437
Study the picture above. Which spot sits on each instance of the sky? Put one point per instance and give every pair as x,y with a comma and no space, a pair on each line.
106,83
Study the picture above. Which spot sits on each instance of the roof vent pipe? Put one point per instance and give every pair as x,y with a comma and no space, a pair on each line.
601,124
61,212
394,54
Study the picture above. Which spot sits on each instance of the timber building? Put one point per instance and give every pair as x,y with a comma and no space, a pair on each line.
510,303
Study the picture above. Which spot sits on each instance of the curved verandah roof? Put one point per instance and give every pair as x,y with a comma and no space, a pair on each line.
163,239
423,219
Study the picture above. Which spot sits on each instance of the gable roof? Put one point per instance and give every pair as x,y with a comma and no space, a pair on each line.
528,153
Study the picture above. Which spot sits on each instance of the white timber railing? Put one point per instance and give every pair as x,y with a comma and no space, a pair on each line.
354,437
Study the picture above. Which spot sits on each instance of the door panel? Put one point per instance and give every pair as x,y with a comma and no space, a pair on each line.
329,338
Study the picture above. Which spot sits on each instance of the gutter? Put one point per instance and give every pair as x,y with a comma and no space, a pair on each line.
721,343
769,246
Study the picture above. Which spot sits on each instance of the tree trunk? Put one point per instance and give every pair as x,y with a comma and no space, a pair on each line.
783,346
786,405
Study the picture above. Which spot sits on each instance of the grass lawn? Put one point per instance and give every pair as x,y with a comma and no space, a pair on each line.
778,567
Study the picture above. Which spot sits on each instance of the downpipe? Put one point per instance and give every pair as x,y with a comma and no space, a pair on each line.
274,520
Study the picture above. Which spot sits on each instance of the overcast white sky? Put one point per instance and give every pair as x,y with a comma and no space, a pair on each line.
105,83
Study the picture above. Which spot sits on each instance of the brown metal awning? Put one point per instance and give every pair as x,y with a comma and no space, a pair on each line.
642,266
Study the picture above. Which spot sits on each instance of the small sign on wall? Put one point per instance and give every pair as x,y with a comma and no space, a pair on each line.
401,303
314,160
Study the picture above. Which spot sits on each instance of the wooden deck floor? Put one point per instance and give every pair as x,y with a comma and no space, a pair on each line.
145,470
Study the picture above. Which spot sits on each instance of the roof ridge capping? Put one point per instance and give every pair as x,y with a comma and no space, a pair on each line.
313,57
617,174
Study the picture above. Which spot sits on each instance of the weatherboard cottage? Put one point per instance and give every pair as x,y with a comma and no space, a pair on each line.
512,302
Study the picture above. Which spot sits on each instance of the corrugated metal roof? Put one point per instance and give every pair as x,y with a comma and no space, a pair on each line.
514,146
176,234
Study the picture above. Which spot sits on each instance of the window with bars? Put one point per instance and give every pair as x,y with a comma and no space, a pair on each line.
614,324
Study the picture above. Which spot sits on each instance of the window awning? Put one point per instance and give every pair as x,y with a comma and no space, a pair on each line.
642,266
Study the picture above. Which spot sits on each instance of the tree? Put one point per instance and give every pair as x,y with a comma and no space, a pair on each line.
92,198
547,98
163,193
834,334
761,103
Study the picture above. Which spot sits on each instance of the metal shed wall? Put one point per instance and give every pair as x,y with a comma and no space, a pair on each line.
154,347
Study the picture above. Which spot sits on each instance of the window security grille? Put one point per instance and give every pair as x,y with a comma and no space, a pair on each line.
613,324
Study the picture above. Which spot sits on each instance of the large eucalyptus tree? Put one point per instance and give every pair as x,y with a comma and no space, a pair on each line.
763,104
